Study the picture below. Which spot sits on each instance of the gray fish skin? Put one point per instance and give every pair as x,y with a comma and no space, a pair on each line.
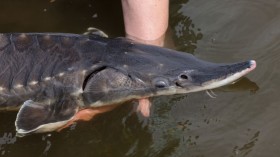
35,65
50,76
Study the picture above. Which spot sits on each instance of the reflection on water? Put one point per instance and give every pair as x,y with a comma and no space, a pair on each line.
6,139
242,121
244,84
186,35
245,149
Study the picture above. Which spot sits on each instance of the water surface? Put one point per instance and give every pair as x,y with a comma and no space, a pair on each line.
243,119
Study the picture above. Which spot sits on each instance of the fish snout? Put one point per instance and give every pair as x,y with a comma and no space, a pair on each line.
213,76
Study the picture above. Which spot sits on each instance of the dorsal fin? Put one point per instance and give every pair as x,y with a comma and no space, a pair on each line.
95,33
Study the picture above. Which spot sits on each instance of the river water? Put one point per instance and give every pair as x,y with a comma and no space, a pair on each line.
243,119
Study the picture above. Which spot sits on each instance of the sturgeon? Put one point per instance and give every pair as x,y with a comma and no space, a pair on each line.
50,77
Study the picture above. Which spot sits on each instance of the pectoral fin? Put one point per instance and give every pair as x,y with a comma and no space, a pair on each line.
38,117
144,107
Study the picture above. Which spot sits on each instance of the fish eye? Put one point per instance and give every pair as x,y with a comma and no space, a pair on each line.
160,83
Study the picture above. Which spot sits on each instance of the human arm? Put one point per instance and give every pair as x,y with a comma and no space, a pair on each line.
146,21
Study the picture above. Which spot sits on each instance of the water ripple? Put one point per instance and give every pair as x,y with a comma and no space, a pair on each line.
237,123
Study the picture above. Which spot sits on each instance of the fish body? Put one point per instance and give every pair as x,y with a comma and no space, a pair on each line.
49,77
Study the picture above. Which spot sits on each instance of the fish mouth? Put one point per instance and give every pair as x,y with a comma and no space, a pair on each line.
216,77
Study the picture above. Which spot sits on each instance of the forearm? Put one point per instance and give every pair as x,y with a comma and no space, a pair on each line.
146,20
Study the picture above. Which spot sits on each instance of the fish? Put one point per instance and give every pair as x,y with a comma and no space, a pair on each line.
53,78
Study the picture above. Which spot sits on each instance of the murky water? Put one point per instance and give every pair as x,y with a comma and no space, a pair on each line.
243,120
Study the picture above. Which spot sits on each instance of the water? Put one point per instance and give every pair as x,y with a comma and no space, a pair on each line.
242,121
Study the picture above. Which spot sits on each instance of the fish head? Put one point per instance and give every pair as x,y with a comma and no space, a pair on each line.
141,71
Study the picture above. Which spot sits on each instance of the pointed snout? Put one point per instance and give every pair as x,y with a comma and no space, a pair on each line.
213,75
